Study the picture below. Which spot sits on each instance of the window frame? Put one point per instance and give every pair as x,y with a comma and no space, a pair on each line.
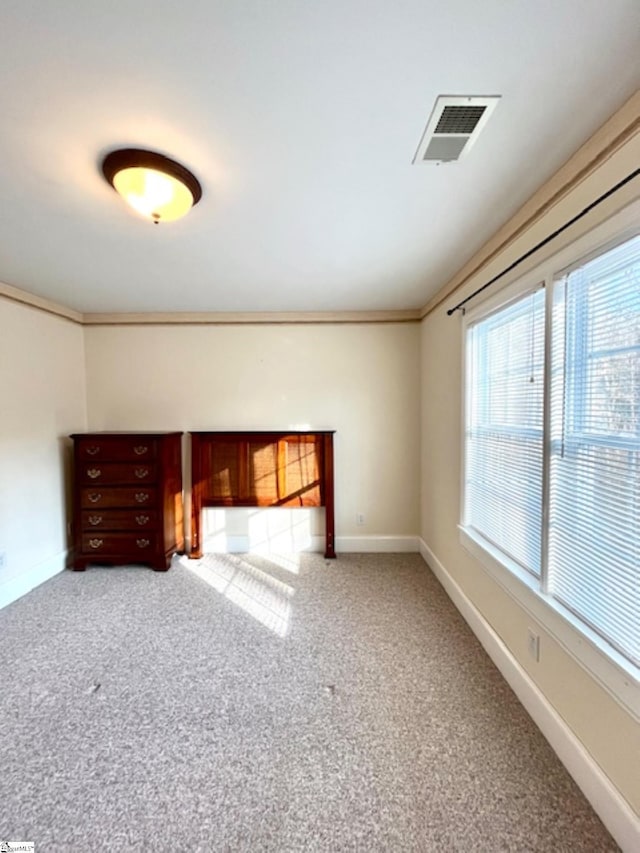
519,432
611,670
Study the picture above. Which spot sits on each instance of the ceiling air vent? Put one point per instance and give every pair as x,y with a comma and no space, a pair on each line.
454,125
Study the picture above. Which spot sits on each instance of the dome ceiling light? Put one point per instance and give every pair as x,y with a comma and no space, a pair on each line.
155,186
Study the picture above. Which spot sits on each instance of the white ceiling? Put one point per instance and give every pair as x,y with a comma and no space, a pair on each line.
300,118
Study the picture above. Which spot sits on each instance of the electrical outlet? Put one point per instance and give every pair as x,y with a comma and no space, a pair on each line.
359,518
533,644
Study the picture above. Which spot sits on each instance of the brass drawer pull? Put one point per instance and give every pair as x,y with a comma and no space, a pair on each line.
142,519
142,543
95,520
141,473
141,497
96,543
93,449
141,449
94,497
94,473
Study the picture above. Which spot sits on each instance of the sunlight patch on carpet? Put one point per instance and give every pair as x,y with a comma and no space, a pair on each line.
263,597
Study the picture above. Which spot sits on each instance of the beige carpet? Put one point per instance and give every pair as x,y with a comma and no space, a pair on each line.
253,704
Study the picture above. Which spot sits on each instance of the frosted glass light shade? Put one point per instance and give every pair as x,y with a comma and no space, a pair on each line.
156,187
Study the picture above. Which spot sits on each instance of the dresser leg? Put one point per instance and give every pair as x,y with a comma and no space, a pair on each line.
163,566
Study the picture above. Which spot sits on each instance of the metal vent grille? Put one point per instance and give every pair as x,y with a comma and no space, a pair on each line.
445,148
459,119
453,127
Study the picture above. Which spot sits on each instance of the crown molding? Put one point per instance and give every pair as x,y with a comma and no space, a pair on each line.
606,142
250,318
205,318
14,294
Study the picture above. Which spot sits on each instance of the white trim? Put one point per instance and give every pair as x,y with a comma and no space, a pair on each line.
378,544
273,318
208,318
239,544
607,801
7,291
603,663
14,588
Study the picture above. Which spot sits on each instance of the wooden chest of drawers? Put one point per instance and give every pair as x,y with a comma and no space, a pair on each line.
127,498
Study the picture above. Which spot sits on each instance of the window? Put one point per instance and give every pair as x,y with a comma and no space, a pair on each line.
552,442
504,429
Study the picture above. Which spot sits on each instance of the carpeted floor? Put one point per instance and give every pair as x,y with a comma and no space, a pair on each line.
254,704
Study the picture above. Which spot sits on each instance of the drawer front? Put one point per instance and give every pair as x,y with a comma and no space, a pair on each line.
105,498
108,544
117,472
125,449
114,519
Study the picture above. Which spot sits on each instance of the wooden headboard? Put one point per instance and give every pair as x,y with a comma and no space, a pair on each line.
260,469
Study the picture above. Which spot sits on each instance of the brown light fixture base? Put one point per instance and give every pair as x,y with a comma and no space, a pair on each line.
156,186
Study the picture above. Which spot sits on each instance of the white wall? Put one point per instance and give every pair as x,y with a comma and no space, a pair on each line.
42,394
361,380
603,726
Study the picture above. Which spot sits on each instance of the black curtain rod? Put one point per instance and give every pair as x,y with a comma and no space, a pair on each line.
546,240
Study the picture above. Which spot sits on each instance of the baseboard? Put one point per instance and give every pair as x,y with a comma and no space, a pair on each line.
377,544
609,804
14,588
242,544
239,544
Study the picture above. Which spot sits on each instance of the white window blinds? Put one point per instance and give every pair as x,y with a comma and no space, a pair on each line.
594,492
503,488
552,449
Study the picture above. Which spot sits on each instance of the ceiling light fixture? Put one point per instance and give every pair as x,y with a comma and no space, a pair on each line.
155,186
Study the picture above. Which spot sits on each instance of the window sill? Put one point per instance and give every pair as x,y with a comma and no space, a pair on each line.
617,675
